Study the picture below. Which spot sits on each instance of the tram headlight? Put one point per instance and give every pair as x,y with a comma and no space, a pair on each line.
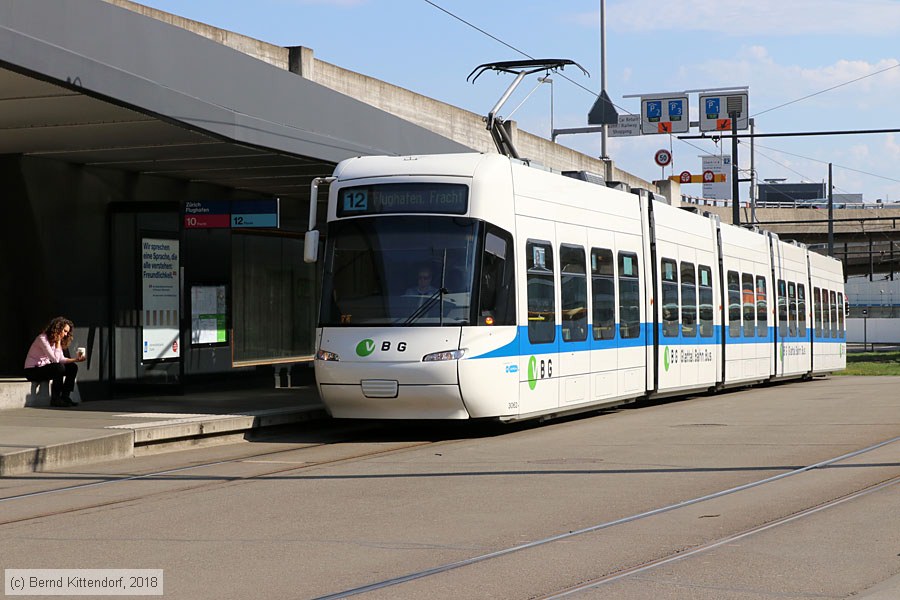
326,355
445,355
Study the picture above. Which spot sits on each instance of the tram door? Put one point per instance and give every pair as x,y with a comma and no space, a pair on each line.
538,321
574,347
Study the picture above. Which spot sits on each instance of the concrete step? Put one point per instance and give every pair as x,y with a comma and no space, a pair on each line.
19,393
46,439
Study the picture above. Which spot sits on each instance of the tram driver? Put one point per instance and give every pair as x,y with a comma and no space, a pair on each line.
423,285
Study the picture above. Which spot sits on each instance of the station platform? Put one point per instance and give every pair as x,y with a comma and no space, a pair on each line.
43,438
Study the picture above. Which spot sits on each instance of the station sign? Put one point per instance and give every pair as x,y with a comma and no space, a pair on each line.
628,125
665,115
225,214
716,109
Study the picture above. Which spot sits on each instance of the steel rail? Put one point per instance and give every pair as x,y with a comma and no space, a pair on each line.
593,528
720,542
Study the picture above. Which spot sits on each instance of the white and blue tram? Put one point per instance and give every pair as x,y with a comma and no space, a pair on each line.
475,286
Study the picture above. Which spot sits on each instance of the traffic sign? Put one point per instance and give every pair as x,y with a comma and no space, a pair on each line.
717,108
663,157
665,114
628,125
707,177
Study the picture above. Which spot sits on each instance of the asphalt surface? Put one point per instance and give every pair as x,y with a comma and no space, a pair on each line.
323,510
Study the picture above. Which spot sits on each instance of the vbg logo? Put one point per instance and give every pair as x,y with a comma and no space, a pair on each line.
365,347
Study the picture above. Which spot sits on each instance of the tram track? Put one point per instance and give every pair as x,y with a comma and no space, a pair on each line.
712,545
669,557
260,458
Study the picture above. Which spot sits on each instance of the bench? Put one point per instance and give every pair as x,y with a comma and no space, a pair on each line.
18,392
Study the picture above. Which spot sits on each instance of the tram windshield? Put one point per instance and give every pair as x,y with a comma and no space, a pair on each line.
402,270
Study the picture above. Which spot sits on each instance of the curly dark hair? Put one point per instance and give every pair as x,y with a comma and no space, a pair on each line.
54,329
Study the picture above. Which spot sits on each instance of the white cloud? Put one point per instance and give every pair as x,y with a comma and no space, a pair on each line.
853,86
752,17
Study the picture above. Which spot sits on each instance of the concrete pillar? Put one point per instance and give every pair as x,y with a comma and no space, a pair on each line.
671,190
301,61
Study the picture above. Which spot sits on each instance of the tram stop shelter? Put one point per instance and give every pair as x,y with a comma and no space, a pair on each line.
155,190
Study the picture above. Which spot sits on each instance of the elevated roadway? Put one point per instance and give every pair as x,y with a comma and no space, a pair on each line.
866,240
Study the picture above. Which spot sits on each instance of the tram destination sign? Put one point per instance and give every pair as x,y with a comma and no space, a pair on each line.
431,198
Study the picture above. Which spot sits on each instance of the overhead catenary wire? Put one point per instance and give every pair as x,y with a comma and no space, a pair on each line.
625,110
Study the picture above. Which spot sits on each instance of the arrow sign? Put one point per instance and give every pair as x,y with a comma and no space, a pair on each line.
723,124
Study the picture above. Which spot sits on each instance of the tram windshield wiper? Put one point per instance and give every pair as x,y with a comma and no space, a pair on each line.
435,297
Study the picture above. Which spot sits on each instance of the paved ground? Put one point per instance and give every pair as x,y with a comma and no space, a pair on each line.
43,439
317,512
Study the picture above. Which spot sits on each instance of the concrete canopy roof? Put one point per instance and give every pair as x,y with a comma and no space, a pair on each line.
91,83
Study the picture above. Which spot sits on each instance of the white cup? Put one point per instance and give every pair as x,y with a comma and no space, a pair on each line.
80,352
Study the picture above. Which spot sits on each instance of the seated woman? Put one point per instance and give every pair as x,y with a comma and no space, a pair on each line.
46,361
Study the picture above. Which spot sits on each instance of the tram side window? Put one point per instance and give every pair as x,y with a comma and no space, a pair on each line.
834,316
573,278
541,296
840,313
817,311
734,304
792,309
706,301
801,310
826,315
688,300
497,299
762,308
669,271
603,290
629,296
782,309
748,297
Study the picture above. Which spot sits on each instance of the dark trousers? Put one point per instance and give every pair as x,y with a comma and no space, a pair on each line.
62,377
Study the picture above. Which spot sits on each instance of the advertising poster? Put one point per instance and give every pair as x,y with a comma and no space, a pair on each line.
208,314
161,295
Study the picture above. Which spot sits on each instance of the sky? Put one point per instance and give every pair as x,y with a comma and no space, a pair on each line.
810,65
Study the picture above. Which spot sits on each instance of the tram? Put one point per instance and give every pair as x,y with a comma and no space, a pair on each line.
476,286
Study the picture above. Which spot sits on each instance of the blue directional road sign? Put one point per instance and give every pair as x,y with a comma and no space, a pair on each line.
660,114
676,109
712,107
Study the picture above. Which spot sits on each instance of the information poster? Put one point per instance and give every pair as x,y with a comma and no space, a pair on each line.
161,299
209,310
719,165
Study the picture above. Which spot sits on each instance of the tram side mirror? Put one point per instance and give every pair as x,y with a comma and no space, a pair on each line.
311,246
